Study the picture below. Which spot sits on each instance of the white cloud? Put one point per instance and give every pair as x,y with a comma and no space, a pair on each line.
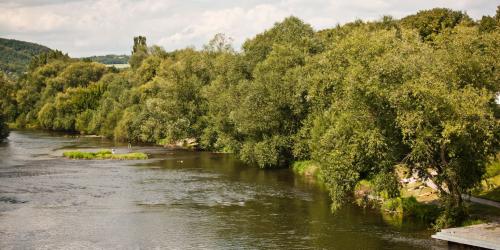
88,27
29,20
237,23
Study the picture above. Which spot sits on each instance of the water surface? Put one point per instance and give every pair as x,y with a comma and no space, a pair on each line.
175,200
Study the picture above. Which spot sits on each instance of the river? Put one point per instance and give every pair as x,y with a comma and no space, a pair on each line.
174,200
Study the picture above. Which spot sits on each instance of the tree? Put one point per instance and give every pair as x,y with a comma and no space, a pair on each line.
432,22
271,108
497,14
61,114
219,44
352,133
291,31
4,129
220,134
139,51
447,117
487,24
271,103
451,131
7,105
396,105
7,100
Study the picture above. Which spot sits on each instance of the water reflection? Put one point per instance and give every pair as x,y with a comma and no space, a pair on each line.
177,199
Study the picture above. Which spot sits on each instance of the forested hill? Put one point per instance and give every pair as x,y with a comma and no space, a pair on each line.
109,59
15,55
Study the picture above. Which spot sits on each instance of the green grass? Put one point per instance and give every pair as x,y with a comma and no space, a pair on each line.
490,186
103,155
483,211
493,169
470,222
493,194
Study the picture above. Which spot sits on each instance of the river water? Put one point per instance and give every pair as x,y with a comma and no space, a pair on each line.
174,200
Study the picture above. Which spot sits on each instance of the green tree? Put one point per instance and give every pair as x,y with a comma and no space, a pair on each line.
292,32
271,108
7,107
432,22
352,134
139,51
220,134
487,24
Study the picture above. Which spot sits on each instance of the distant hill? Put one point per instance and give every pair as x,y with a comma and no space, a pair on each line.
109,59
16,55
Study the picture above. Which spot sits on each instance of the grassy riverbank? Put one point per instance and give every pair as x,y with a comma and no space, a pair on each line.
416,201
490,186
104,155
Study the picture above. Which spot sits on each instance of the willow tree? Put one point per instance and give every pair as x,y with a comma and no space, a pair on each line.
271,103
447,116
354,136
403,101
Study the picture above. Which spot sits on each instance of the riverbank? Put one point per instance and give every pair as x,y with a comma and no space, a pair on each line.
417,200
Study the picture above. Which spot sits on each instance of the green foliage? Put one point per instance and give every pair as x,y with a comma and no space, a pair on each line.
301,166
493,168
47,57
7,95
139,52
308,168
487,24
104,154
15,55
4,129
493,194
272,103
62,113
490,186
355,136
411,208
292,31
432,22
109,59
53,93
452,215
387,184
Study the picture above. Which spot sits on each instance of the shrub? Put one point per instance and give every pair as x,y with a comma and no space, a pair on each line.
411,208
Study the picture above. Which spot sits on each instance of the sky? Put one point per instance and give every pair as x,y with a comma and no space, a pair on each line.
99,27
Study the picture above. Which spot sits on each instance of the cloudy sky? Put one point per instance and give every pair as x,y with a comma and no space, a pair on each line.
97,27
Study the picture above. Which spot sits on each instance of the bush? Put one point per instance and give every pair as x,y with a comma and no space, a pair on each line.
452,215
411,208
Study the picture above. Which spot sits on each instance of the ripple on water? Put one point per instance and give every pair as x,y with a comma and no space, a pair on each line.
11,200
209,201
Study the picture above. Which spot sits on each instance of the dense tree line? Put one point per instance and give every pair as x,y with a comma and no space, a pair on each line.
108,59
358,99
5,105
